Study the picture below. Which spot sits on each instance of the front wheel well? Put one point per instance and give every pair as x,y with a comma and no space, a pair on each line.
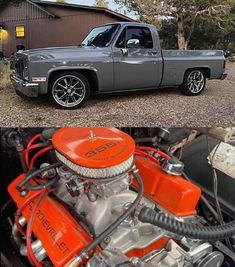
89,74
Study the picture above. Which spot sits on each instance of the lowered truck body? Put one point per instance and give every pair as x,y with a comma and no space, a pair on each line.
112,58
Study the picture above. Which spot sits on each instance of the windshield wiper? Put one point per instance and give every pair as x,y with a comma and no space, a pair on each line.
91,44
88,45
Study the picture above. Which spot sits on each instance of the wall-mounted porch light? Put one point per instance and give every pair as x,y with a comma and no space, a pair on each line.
3,37
3,28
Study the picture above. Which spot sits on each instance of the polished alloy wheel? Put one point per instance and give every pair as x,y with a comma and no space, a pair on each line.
196,81
69,91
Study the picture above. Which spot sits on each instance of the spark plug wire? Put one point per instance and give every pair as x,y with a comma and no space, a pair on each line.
38,154
143,151
158,151
27,150
144,154
33,139
35,157
31,146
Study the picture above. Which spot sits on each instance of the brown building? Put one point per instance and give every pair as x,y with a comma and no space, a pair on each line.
37,24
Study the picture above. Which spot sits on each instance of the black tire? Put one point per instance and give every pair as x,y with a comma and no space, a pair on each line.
189,86
66,90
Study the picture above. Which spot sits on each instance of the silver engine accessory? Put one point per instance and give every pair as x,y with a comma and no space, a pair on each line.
194,254
37,247
173,166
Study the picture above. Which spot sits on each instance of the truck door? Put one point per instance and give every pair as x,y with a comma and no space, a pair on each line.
137,63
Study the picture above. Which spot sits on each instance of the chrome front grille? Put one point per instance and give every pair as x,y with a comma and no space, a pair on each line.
20,67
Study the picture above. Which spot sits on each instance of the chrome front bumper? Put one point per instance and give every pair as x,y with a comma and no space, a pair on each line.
24,87
224,76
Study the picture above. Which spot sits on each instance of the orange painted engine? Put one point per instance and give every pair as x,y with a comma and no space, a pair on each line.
94,186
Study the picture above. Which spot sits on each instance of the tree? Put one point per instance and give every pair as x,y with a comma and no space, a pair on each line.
209,35
4,3
184,14
168,34
61,1
101,3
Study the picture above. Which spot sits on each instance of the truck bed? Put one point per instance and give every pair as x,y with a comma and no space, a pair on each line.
177,62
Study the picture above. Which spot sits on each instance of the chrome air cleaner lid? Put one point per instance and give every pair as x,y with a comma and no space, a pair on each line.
95,152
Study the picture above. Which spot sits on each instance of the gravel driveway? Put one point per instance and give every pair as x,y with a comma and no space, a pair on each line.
165,107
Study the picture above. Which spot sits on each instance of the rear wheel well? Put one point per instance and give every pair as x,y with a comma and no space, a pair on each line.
206,71
89,74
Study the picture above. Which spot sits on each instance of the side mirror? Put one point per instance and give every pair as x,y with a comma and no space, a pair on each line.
133,43
227,53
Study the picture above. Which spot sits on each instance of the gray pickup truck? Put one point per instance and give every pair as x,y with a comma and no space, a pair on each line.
114,57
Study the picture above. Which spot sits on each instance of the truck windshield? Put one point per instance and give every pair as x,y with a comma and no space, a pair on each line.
101,36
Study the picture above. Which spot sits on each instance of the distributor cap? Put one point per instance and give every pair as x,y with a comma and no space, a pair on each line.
95,152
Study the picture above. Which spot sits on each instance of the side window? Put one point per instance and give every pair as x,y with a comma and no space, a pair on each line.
143,34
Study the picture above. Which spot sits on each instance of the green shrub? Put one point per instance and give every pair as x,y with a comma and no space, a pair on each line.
5,74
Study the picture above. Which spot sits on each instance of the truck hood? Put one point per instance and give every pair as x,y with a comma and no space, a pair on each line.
44,54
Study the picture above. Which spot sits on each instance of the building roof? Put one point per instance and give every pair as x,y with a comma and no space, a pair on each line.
42,9
98,9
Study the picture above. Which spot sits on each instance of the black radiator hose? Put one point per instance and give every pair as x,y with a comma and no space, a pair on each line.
208,233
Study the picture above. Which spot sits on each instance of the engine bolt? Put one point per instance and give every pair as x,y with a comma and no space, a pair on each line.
23,193
107,239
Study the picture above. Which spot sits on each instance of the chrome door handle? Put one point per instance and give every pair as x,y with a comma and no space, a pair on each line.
153,53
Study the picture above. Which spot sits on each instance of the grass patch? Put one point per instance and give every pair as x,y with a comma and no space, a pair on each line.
5,72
